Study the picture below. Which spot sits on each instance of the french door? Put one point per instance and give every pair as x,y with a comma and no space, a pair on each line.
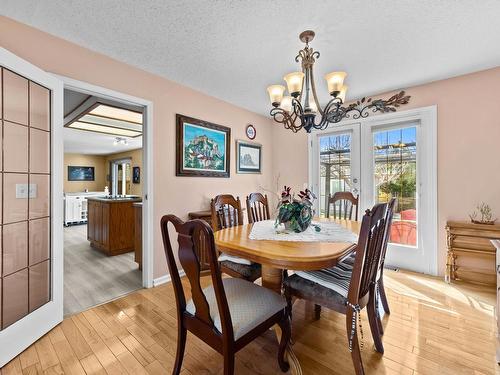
388,156
31,270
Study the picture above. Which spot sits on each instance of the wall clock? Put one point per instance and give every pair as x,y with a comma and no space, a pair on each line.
251,132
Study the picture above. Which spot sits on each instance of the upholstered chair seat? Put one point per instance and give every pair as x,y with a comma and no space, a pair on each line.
249,305
331,284
248,272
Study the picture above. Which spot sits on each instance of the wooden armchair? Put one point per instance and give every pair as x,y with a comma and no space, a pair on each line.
349,286
257,207
227,315
226,213
344,203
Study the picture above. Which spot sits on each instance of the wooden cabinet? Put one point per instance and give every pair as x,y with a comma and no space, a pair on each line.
111,227
471,255
496,243
202,255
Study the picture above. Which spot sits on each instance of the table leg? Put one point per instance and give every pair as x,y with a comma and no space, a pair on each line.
272,278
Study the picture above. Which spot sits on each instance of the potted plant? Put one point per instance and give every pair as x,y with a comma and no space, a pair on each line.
295,214
486,215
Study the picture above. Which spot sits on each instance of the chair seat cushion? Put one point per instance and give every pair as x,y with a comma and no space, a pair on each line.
336,278
314,291
248,272
249,305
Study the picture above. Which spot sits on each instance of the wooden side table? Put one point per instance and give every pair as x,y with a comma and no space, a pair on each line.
466,240
496,243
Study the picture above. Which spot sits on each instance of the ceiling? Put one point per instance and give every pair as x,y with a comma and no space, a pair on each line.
90,143
234,49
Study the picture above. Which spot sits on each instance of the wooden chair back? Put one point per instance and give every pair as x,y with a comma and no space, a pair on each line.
226,212
344,203
257,208
188,237
388,224
368,253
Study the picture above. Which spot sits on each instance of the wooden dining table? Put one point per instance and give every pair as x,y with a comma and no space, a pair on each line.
277,256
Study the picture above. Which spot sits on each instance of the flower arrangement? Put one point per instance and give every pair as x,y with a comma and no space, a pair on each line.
295,214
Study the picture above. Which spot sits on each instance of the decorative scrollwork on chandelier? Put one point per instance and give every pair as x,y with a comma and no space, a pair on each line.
300,109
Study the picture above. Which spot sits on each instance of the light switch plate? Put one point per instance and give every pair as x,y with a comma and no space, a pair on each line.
21,191
33,190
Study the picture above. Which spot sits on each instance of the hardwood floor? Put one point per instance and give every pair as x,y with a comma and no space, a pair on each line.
91,277
434,328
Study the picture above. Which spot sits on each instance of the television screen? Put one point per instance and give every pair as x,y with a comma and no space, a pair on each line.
80,173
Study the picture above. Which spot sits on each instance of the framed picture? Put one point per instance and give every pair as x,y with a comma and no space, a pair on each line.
136,175
203,148
76,173
248,157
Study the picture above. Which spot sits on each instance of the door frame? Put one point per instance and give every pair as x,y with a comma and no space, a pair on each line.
427,118
147,164
27,330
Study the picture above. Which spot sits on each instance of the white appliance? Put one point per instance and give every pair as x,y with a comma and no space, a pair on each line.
76,206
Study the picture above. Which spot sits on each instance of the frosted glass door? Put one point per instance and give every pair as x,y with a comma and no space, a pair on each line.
30,257
25,221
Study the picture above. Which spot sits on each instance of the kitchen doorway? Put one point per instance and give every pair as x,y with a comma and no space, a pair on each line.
103,252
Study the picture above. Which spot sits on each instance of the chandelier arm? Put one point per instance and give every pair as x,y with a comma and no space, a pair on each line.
313,87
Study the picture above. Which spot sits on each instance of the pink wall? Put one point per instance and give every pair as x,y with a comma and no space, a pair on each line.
465,177
468,141
178,195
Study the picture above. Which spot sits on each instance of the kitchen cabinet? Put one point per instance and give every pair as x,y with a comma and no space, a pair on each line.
111,224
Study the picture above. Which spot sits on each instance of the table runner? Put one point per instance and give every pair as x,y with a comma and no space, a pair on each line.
330,232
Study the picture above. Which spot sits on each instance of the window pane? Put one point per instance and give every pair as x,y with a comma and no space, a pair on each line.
335,166
395,155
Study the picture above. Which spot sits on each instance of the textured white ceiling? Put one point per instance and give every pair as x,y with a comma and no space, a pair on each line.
234,49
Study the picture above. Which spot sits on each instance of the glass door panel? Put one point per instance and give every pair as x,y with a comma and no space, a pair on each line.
335,166
25,221
395,176
337,159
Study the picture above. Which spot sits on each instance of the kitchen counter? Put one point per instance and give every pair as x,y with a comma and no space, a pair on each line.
130,198
111,224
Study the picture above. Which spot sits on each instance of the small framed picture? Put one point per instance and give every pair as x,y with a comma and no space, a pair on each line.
136,175
251,131
248,157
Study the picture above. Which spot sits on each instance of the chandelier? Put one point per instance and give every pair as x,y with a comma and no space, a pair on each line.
301,107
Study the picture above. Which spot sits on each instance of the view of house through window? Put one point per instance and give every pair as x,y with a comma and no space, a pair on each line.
395,175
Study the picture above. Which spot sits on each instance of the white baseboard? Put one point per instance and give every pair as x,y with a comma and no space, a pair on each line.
166,279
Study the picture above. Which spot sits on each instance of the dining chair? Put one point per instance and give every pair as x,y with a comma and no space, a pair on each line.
379,289
349,286
257,207
344,203
227,315
226,213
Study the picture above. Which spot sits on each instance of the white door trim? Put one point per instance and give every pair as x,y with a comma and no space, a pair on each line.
427,117
18,336
148,163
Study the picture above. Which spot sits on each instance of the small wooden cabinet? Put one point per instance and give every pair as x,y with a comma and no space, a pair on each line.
471,255
203,255
111,226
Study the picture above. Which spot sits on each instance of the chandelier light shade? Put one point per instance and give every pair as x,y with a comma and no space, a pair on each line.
276,94
301,108
335,82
